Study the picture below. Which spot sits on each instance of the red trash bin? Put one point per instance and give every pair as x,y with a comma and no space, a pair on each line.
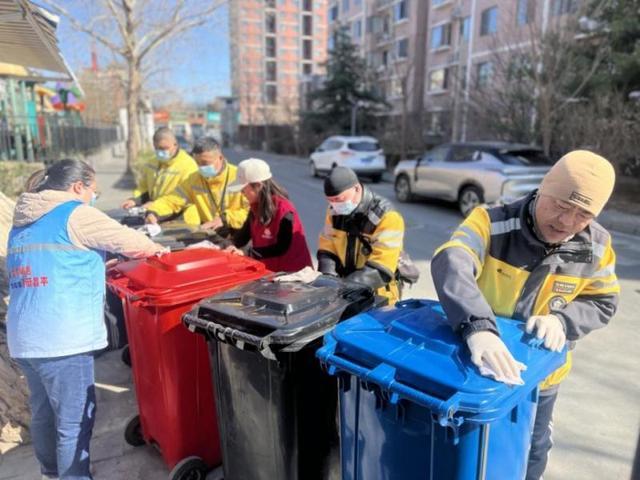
170,365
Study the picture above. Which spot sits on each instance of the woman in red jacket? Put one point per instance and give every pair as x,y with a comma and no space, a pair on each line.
273,226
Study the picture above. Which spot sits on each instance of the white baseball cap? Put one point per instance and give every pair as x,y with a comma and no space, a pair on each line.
251,170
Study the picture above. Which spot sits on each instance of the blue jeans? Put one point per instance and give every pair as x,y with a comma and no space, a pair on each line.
63,407
541,441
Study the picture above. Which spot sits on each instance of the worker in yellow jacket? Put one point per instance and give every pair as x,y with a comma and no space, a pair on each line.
163,174
204,196
362,237
541,259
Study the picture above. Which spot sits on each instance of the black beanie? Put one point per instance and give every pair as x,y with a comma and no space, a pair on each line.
339,180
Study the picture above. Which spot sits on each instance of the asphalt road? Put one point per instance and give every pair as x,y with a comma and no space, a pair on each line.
597,414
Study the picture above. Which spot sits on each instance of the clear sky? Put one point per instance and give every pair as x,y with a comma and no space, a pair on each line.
195,67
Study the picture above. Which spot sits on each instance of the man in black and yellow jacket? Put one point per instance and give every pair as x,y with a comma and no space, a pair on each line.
541,259
362,237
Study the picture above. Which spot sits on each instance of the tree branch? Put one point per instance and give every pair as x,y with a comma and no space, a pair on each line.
86,28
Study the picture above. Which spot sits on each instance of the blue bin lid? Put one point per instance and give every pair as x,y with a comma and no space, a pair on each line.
410,352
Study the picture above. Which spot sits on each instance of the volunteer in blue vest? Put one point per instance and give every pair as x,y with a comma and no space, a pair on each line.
273,226
55,321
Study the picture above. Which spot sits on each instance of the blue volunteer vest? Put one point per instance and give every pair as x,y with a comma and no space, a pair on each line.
56,290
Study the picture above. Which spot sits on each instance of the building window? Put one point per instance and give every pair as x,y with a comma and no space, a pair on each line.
307,25
271,47
525,12
271,92
307,68
356,29
489,21
485,72
435,3
270,3
307,5
441,36
333,13
307,49
439,79
272,72
402,48
270,22
345,6
357,3
385,58
563,7
465,29
400,10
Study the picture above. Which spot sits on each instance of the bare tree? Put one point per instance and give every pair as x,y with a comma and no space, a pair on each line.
133,30
520,91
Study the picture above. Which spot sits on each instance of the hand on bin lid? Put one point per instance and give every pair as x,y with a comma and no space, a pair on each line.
493,358
306,275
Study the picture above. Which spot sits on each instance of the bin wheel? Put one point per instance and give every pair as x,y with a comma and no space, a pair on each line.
126,356
190,468
133,432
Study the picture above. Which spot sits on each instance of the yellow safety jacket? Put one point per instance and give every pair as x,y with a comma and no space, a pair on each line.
494,264
206,199
158,178
369,238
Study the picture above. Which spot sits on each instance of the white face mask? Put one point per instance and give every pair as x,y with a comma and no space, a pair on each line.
343,208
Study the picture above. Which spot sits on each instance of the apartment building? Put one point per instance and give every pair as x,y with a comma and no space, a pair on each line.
391,36
274,44
446,49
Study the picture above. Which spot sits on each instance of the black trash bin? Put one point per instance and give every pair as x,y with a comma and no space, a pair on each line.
276,407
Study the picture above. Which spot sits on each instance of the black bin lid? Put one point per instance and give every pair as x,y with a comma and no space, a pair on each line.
264,313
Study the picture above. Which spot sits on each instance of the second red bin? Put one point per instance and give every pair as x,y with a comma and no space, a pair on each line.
170,365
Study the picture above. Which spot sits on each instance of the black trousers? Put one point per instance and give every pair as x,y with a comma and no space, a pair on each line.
541,441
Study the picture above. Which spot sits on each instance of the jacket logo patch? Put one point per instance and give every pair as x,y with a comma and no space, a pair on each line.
557,303
580,198
267,234
564,287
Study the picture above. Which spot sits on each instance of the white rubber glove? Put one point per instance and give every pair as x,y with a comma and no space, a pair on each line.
493,359
549,328
306,275
203,244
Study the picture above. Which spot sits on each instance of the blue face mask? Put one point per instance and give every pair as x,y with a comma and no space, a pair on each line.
163,155
94,197
208,171
343,208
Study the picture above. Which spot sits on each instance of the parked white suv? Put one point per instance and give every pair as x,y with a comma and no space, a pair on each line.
472,173
362,154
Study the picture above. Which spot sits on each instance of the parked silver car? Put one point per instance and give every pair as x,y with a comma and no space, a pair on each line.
472,173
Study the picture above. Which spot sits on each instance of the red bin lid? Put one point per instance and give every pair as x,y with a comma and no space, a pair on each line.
194,270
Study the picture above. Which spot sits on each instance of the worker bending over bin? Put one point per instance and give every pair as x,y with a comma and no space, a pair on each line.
273,232
214,206
162,174
362,237
542,259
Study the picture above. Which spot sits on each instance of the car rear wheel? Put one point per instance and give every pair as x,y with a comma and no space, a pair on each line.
403,189
470,197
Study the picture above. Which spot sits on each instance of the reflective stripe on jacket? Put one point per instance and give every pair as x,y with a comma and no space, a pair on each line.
206,196
382,228
158,178
56,290
494,265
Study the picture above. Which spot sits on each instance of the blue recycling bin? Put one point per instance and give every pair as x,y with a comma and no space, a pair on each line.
413,406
